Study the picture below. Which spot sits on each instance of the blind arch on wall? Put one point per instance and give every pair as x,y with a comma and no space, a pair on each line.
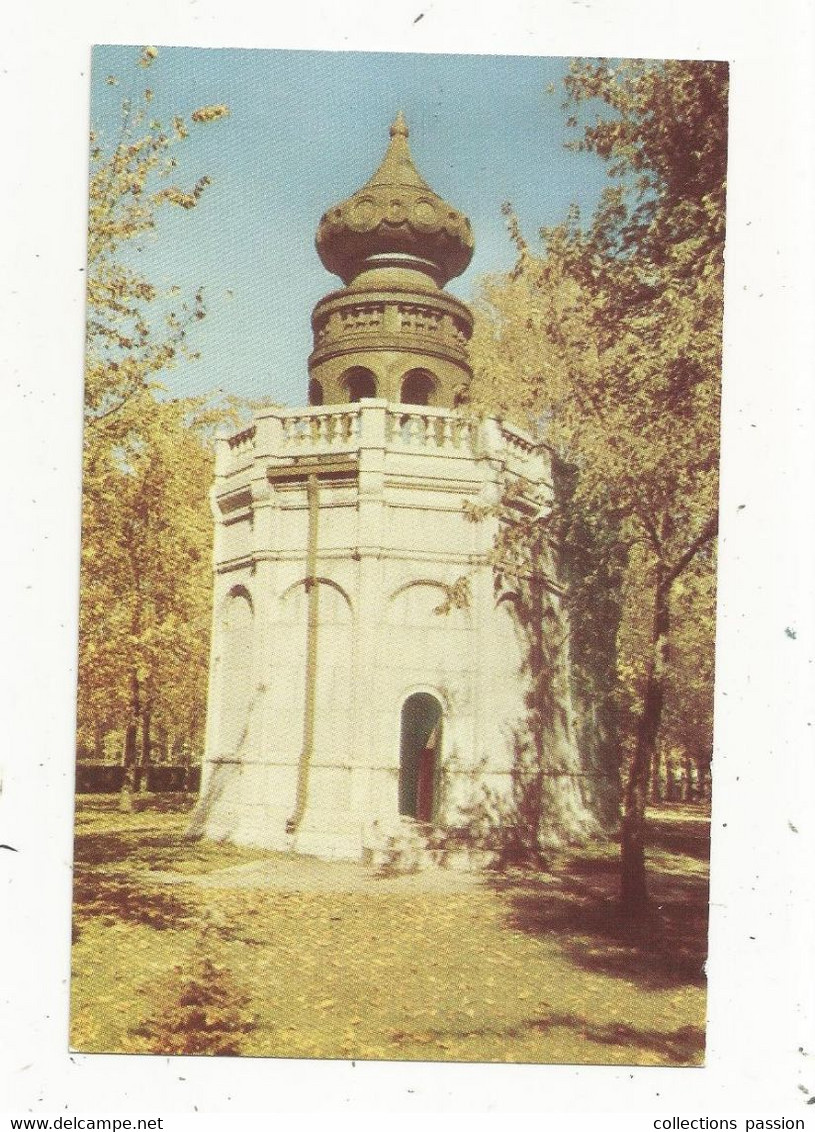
333,673
235,691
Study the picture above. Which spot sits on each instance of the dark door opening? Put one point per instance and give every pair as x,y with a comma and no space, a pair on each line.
419,762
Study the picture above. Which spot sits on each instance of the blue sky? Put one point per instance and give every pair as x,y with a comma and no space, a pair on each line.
305,130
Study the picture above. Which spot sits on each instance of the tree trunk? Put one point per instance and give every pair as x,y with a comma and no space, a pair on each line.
129,764
633,886
690,793
656,780
144,761
130,757
704,780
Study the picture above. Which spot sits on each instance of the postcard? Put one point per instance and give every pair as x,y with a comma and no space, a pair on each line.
398,584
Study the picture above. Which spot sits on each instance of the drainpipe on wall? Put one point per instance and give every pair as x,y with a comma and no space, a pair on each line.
312,590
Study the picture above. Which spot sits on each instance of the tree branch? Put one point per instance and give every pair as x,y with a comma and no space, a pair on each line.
708,532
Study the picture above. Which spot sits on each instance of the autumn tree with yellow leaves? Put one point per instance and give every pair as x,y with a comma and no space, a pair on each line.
608,344
147,462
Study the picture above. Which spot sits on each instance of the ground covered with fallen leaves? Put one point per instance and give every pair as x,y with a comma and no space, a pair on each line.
192,947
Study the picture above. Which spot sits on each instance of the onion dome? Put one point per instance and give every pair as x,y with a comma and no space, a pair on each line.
395,218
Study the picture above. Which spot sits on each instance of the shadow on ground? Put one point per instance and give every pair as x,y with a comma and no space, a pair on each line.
683,1046
105,887
116,847
577,904
679,830
680,1047
114,899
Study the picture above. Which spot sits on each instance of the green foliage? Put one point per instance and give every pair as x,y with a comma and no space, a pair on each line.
146,549
147,461
666,142
687,732
608,343
129,187
591,564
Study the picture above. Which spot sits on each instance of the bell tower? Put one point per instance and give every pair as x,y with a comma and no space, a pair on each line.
392,332
355,700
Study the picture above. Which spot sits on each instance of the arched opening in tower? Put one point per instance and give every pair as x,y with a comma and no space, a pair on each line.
420,757
359,382
417,388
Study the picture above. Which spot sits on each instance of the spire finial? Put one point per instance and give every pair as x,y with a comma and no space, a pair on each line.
395,213
399,126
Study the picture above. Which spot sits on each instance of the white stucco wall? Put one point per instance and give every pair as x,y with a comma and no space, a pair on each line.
392,537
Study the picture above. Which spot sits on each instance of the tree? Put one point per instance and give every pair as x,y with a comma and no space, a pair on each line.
144,604
566,558
687,732
612,340
144,616
128,187
554,797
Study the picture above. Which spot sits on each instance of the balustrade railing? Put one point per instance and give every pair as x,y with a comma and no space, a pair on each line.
347,428
430,428
321,429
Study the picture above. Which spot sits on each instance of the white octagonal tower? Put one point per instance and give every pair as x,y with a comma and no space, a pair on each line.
353,700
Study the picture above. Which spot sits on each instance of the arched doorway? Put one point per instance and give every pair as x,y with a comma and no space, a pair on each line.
420,756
